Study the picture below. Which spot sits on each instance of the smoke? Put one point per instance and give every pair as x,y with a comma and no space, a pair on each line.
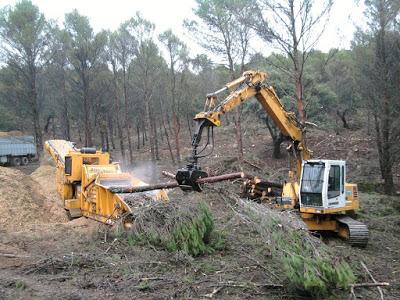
146,171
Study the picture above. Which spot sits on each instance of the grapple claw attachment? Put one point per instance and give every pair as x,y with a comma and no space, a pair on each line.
188,176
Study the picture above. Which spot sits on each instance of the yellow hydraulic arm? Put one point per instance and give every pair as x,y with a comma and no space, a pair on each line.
252,84
328,214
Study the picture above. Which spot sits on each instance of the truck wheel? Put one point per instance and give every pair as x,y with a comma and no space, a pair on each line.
16,161
24,160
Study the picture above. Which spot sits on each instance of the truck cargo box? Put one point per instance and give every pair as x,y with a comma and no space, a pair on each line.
17,147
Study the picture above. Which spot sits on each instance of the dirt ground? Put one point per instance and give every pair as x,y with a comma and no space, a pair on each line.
44,256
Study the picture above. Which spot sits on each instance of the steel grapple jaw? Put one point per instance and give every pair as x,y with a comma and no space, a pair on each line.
187,178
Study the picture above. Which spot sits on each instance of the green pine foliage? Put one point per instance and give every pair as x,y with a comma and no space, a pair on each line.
188,230
310,271
311,268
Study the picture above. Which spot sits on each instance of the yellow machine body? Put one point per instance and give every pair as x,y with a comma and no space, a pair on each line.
83,180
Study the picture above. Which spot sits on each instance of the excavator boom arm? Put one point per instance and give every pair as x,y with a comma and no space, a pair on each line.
251,84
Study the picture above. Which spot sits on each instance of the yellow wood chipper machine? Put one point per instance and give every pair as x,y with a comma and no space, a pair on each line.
88,184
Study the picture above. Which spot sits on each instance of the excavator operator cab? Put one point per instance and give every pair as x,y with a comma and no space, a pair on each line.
322,184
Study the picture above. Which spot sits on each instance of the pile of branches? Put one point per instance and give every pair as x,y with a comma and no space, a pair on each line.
175,226
311,268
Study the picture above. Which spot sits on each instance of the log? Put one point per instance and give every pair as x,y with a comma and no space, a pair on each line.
144,188
263,184
171,185
168,174
213,179
231,176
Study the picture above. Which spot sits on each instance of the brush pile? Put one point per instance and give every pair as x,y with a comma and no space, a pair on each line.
310,266
175,226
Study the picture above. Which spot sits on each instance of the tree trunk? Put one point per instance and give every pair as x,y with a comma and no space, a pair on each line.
299,98
166,131
155,136
238,131
150,127
121,141
189,125
117,113
111,131
143,136
103,140
238,127
107,141
127,123
277,138
160,130
35,106
384,120
277,148
65,113
386,154
177,129
86,107
128,134
342,116
79,135
297,64
138,136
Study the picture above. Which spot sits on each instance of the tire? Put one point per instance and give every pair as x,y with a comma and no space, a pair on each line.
16,161
24,161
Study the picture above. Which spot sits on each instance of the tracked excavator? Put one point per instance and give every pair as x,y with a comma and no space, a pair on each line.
316,187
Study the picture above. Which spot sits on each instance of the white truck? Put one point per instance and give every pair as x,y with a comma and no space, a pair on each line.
17,150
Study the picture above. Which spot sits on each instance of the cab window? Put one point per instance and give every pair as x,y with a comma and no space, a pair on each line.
334,184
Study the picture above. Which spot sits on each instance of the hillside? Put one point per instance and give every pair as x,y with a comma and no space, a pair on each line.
43,256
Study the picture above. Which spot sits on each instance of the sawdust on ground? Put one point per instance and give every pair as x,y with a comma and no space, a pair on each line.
27,200
46,179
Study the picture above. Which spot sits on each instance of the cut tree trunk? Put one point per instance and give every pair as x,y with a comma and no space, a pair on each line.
171,185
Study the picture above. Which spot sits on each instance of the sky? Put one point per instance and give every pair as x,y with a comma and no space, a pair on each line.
169,14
